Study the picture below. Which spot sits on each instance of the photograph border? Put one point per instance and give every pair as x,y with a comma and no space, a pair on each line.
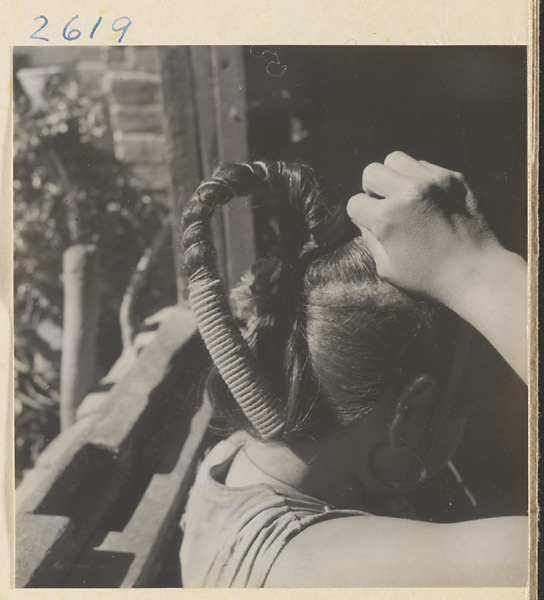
480,22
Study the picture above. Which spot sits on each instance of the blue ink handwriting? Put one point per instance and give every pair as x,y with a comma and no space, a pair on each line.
72,33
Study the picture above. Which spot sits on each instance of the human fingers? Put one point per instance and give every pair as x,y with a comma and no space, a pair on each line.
362,210
404,163
440,172
383,181
377,251
452,189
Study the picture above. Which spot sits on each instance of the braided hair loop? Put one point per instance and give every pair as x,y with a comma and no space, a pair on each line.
303,216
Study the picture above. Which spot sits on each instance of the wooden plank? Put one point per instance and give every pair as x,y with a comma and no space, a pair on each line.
48,542
205,107
231,118
182,141
146,536
207,135
222,124
42,541
131,397
230,102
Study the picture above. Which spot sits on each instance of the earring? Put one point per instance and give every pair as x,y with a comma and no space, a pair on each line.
397,487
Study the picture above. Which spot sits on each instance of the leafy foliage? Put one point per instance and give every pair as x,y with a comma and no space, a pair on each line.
68,188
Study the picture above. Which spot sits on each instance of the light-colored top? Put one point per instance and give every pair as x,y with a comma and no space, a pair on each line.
233,535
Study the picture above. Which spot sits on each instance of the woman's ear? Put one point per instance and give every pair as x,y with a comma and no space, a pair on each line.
412,411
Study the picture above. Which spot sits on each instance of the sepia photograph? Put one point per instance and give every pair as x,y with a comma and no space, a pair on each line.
270,316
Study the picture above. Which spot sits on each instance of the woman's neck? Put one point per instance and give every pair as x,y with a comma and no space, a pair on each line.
319,470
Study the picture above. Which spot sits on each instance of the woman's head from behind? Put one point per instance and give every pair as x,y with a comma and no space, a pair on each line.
342,348
364,335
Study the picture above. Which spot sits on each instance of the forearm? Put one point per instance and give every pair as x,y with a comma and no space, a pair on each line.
491,294
423,244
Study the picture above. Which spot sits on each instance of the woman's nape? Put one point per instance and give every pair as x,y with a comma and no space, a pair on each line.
365,465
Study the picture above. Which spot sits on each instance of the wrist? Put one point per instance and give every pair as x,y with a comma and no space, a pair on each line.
493,299
479,277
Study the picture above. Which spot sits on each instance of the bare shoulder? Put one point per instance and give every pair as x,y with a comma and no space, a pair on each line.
369,551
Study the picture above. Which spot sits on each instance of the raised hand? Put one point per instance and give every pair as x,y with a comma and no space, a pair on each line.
422,224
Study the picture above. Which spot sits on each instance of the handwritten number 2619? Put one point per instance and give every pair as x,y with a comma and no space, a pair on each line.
72,33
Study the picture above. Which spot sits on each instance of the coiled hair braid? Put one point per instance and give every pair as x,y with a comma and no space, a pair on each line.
303,215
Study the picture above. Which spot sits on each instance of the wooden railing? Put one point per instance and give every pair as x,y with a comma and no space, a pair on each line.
101,506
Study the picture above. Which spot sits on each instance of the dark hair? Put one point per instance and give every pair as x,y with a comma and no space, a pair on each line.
328,333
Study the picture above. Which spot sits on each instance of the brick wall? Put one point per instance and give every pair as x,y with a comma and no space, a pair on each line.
129,78
133,86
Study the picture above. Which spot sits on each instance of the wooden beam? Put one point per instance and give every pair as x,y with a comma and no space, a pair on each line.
205,101
207,135
182,140
232,146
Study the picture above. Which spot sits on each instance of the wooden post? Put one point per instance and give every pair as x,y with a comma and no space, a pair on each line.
222,127
205,104
207,136
182,139
232,146
80,327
